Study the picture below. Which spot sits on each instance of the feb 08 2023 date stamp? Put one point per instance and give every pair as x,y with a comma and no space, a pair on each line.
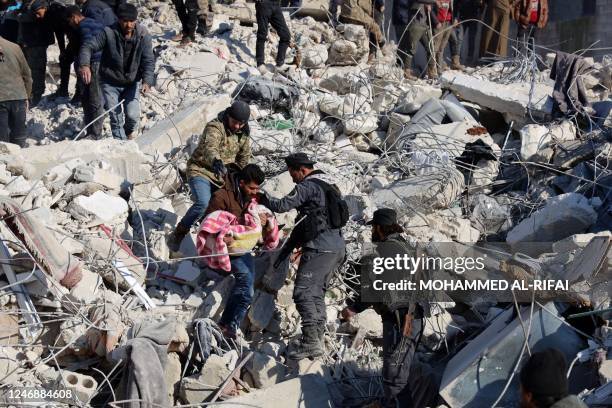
35,396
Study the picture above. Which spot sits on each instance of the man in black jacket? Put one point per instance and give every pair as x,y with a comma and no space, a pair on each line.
127,60
414,22
321,254
34,37
53,15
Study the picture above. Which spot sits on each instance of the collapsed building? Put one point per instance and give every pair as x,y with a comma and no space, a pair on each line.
92,300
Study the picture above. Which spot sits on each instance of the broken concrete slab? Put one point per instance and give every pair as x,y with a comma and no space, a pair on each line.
426,192
266,141
91,174
536,140
197,388
345,52
314,57
415,96
562,216
173,132
306,391
125,158
317,9
515,101
262,310
99,205
206,66
265,370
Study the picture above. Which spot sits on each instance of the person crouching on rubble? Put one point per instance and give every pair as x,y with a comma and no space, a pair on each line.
321,214
361,12
127,60
238,190
404,384
225,140
543,382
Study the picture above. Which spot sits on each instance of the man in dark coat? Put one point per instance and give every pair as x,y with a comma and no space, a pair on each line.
127,61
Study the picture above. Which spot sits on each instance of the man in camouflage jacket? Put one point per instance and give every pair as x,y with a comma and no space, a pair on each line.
225,140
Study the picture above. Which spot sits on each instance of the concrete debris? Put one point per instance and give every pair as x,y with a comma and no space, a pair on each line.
475,161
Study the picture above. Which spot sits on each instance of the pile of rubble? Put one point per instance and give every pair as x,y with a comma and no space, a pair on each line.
92,301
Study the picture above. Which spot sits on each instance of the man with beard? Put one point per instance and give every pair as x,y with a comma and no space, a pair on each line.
225,140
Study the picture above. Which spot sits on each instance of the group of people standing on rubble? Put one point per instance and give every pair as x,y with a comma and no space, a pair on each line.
437,23
111,53
113,56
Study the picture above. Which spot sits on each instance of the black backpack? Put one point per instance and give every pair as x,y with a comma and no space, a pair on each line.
336,206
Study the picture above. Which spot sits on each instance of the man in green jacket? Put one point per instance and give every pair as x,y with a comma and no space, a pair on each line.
225,140
15,89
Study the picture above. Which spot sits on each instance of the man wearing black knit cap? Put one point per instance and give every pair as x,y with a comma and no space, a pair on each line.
127,61
544,382
224,141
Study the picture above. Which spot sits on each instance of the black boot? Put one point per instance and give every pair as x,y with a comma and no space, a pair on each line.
309,346
176,237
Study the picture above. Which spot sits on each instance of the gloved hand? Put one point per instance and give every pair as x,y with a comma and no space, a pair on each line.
219,168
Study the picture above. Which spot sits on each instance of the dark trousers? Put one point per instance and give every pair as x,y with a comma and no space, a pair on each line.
410,37
242,292
311,282
404,384
270,13
91,99
471,28
12,122
187,11
455,40
65,61
37,61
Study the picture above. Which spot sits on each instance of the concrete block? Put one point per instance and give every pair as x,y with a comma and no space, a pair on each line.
345,52
87,290
415,96
82,386
360,124
314,57
204,65
425,192
562,216
174,131
107,208
266,141
512,100
106,178
537,139
125,158
577,241
316,9
188,271
265,370
262,309
9,148
305,391
368,320
196,388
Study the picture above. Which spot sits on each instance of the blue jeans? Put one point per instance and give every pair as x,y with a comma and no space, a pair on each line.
201,191
242,293
125,117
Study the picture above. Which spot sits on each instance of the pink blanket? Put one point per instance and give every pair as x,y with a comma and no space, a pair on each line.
219,224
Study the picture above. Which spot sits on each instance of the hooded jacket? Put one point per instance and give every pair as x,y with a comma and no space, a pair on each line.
116,68
99,11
